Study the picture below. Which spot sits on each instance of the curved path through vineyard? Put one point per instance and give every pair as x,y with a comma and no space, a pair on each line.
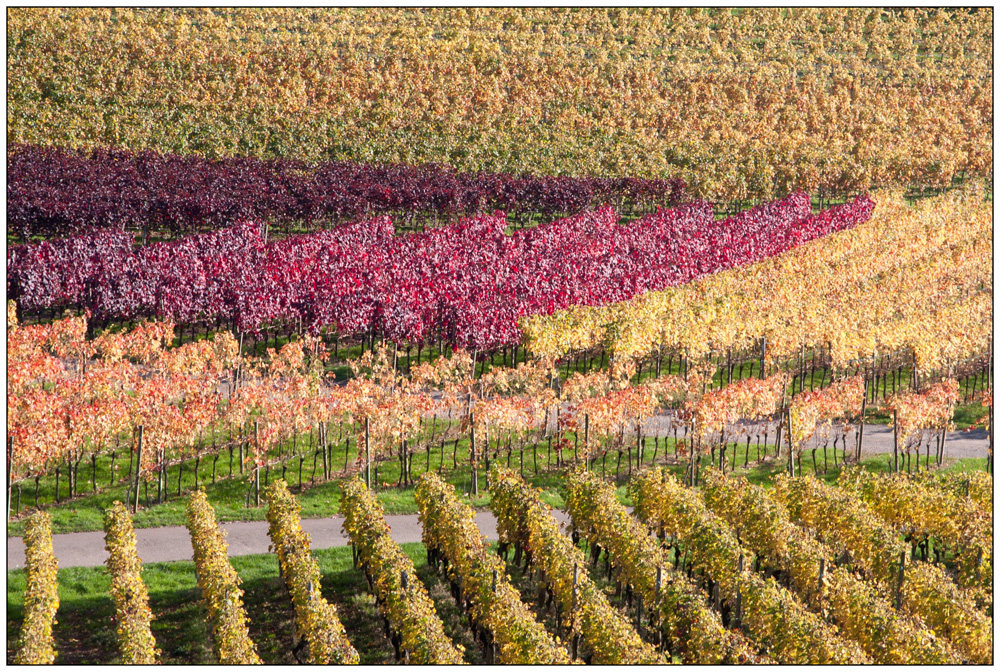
165,544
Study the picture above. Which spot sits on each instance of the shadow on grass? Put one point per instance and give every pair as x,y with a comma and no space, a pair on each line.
84,632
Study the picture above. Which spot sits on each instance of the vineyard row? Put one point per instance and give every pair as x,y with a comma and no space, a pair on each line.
59,192
467,284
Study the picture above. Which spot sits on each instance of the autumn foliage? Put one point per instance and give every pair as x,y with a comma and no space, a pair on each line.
467,283
220,585
523,520
316,619
495,604
407,606
41,599
128,591
742,105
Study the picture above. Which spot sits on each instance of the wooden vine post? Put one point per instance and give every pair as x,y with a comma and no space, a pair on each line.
763,351
659,590
638,446
10,462
861,421
777,438
472,453
576,590
368,456
739,595
256,466
895,442
899,580
989,460
322,449
791,448
692,459
138,469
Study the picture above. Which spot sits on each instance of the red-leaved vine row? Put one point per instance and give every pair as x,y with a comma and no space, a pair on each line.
61,192
467,283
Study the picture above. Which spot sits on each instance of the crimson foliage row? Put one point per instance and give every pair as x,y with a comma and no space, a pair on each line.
467,283
60,192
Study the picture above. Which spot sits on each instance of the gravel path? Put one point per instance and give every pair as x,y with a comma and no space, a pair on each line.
166,544
877,439
974,443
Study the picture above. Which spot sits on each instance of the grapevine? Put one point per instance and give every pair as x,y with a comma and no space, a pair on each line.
220,585
855,606
41,599
128,591
494,603
770,613
692,627
741,106
523,520
401,597
316,619
921,512
846,523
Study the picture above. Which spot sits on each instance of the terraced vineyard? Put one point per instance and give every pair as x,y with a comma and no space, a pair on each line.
500,336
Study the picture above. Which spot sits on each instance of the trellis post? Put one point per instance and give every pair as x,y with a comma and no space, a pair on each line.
10,461
472,453
256,468
368,457
138,470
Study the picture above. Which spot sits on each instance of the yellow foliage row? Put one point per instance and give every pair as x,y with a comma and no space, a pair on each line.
523,519
219,584
691,626
128,591
495,604
779,622
41,599
916,278
858,608
846,523
316,619
922,511
409,609
742,104
976,486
